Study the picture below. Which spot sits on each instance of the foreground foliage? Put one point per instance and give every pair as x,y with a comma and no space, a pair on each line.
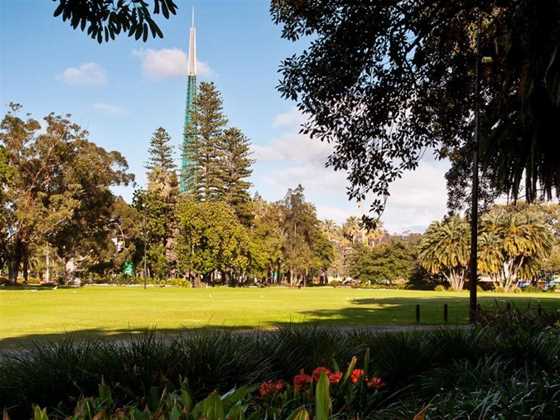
501,368
408,68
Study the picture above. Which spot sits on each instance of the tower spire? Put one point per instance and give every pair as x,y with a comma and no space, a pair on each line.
191,68
189,133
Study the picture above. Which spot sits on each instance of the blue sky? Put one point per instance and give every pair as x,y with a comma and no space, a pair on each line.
122,91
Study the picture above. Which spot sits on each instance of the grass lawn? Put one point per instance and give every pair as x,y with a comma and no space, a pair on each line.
100,311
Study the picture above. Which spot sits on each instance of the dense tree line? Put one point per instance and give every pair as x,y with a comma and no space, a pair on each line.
61,221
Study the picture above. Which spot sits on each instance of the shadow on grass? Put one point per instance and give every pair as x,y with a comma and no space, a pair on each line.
375,313
402,310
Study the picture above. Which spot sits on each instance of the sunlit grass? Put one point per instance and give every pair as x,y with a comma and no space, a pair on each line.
116,310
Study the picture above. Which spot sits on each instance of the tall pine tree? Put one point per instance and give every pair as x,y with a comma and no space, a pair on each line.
236,169
157,204
162,176
204,152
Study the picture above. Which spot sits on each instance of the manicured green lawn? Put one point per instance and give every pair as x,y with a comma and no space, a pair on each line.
96,311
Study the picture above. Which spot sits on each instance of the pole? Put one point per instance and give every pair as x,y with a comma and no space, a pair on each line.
145,243
473,263
47,271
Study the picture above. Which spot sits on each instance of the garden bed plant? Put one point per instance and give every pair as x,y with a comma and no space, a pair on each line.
507,367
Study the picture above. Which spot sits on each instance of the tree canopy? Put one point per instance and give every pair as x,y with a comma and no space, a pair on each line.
385,82
104,20
59,190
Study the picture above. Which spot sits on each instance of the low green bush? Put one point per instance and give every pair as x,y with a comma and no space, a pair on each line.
449,371
531,289
179,282
440,288
322,393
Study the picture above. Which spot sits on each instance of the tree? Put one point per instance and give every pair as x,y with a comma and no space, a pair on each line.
157,204
384,81
60,189
157,222
5,175
162,175
204,176
356,232
236,169
305,248
211,239
522,241
391,263
351,229
106,19
268,236
123,244
334,234
160,152
444,249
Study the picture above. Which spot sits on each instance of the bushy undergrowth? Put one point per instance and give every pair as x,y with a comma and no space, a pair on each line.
507,368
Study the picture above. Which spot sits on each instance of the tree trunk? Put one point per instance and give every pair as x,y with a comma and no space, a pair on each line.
25,269
13,270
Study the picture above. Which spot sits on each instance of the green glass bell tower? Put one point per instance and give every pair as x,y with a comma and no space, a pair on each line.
189,106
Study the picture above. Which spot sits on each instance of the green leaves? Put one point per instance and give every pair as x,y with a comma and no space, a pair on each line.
212,408
210,237
105,20
300,414
408,68
58,188
39,414
323,404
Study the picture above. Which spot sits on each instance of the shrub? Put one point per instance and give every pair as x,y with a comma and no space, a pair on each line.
319,394
179,282
453,369
531,289
440,288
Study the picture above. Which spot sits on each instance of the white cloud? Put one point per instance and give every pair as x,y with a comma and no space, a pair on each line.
168,63
86,74
416,199
293,147
292,118
109,109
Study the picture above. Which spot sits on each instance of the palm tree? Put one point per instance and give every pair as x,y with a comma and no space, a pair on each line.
489,256
522,241
444,249
352,229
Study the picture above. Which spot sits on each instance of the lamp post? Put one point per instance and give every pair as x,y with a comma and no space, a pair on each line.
473,263
145,243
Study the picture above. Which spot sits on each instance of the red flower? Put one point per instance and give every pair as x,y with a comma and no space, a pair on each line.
356,375
271,387
266,388
317,373
301,380
335,377
375,383
279,385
